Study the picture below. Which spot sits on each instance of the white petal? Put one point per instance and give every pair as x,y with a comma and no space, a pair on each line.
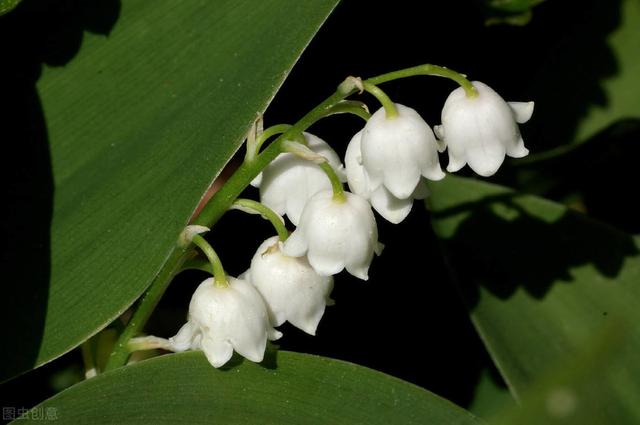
274,334
227,318
335,233
289,181
296,244
182,341
218,352
486,159
388,206
404,180
361,272
433,171
455,162
517,149
356,174
257,181
480,131
396,152
291,288
522,111
326,262
439,131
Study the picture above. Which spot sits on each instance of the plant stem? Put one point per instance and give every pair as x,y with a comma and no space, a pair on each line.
145,307
219,276
427,69
224,198
255,207
209,215
336,184
269,132
389,107
350,107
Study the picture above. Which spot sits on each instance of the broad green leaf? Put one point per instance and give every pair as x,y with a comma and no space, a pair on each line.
290,388
539,280
138,124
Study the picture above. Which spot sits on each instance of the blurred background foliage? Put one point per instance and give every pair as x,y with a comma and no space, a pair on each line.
579,61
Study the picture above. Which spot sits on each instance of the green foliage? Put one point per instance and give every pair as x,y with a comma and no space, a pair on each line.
301,389
513,12
7,6
590,72
540,282
139,123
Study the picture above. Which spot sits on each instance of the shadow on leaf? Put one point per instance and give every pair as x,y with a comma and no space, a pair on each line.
37,33
508,242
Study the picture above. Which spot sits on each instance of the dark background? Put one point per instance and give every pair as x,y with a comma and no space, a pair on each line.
408,319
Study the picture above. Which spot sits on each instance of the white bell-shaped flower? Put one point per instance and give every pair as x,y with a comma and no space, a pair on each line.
223,319
481,130
382,200
397,151
336,235
289,181
291,288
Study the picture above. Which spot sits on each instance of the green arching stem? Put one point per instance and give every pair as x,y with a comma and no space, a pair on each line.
219,276
209,215
336,184
353,107
223,199
270,132
428,69
265,212
388,105
197,264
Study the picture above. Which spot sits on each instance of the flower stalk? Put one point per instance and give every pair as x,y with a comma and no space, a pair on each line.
255,163
386,102
254,207
219,275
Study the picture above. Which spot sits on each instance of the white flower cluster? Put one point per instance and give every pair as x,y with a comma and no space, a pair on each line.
386,164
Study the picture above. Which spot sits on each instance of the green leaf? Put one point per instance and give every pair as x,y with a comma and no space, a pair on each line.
7,6
620,89
513,12
490,397
540,280
588,81
137,125
290,388
572,394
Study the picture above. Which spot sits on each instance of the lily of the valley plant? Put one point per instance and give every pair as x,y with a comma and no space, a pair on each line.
300,176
